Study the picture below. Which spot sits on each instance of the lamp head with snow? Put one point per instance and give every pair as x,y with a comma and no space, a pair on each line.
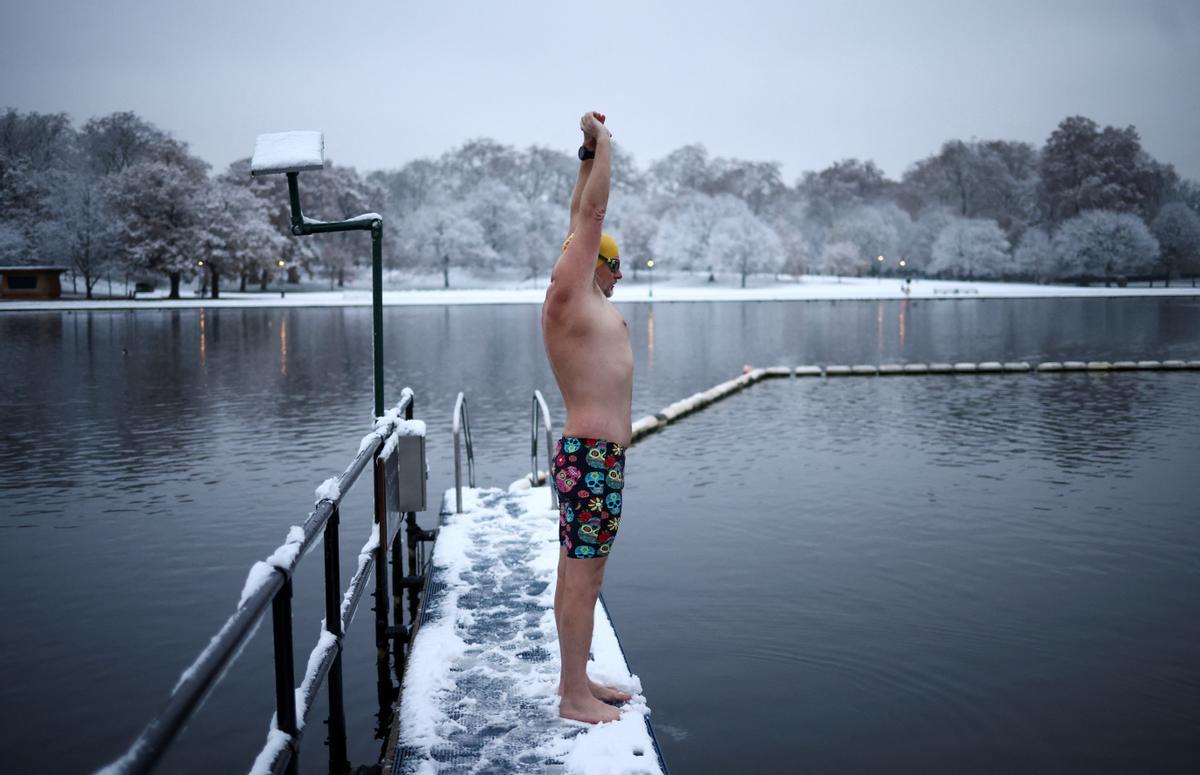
282,152
290,153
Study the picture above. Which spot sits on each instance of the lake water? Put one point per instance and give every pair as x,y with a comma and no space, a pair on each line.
939,574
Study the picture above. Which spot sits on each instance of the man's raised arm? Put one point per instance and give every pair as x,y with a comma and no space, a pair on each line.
589,202
585,169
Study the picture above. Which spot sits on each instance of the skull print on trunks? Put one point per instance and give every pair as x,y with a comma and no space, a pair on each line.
590,501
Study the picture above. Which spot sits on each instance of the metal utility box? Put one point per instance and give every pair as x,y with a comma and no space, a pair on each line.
407,475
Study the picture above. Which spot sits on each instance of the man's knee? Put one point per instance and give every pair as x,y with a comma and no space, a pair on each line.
583,574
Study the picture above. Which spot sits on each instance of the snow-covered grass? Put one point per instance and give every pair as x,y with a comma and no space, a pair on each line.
407,289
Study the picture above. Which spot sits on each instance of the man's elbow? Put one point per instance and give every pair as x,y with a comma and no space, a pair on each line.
592,211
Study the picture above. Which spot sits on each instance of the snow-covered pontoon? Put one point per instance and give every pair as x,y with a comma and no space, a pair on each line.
480,688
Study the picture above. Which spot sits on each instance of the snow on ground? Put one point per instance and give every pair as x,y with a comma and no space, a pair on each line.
480,687
680,287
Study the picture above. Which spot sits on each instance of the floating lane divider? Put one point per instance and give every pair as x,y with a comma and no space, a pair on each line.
654,422
697,401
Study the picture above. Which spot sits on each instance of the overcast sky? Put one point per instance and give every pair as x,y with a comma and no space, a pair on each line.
805,84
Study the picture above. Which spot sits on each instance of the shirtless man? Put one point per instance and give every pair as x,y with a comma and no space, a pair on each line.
587,342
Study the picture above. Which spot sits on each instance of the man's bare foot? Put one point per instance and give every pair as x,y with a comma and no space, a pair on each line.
590,710
604,693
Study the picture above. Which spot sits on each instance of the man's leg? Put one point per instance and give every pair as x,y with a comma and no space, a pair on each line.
574,612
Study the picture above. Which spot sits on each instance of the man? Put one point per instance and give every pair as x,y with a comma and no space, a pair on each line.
587,342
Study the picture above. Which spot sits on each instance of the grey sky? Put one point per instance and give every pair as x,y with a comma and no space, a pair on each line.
801,83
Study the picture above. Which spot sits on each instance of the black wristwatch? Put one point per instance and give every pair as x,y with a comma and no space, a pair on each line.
585,153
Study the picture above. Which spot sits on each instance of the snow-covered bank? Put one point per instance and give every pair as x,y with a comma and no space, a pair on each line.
809,288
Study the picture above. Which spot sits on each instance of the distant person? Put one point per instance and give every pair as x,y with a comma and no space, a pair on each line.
587,341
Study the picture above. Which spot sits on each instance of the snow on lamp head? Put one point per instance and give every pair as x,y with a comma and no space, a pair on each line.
282,152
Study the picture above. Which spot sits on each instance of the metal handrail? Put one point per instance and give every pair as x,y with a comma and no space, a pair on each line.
540,403
275,593
462,424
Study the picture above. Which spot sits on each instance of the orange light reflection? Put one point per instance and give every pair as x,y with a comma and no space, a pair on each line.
650,338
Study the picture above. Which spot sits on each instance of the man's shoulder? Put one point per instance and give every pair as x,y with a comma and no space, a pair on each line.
568,301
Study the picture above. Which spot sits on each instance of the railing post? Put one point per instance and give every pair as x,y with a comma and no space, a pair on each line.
539,402
285,671
414,537
533,444
338,760
381,552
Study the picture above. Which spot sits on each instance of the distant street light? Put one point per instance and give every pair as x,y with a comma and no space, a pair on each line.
204,287
650,267
282,279
879,271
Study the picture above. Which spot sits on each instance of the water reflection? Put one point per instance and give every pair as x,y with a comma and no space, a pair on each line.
650,337
243,453
879,328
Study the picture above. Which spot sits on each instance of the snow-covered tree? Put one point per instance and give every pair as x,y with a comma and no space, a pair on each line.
684,170
235,232
683,236
917,248
875,230
841,187
159,208
971,248
994,179
14,249
742,243
799,237
1103,243
1177,228
755,183
1084,167
842,259
503,216
38,152
1034,255
83,228
544,236
442,234
632,220
272,193
412,186
545,175
476,162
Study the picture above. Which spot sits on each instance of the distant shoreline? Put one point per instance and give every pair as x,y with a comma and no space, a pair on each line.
810,288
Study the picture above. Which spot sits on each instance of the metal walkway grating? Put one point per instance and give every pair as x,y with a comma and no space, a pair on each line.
479,689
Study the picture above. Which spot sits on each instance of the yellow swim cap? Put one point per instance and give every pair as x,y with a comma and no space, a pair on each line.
608,246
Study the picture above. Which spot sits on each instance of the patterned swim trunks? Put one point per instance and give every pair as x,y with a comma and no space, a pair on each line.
589,475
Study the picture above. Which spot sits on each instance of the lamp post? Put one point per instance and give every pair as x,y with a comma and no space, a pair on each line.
203,279
291,153
282,278
650,268
879,268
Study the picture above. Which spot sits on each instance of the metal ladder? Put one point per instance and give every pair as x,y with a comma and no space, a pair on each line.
461,429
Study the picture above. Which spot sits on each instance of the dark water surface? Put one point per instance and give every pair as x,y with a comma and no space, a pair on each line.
942,574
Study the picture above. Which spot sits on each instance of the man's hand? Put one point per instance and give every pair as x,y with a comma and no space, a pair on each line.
592,124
